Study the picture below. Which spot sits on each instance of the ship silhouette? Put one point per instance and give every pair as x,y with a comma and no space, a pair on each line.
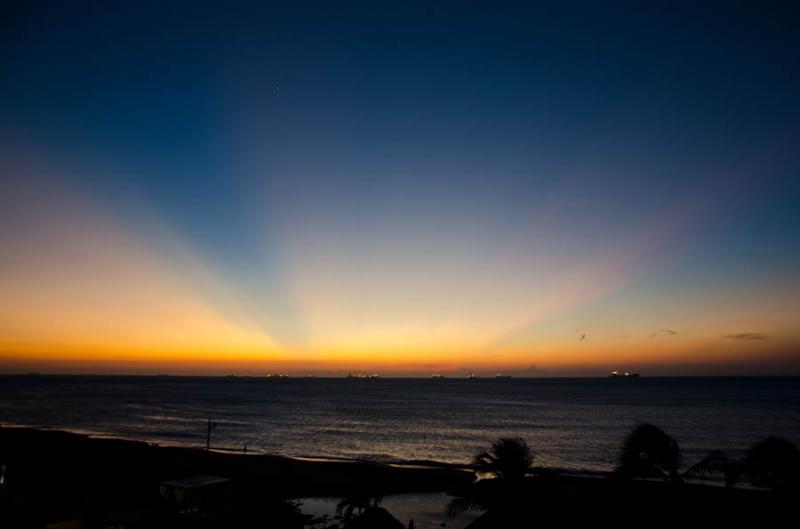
617,374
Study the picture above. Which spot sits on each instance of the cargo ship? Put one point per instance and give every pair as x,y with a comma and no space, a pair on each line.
617,374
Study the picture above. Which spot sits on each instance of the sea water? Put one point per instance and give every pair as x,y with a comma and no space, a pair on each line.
575,424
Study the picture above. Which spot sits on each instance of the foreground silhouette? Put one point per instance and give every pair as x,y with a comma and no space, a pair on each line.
502,498
648,488
773,463
510,459
51,476
361,512
54,477
648,452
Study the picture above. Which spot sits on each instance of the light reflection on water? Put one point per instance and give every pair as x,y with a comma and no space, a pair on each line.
570,423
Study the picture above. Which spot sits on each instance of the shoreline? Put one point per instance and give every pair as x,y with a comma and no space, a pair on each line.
394,462
300,477
52,475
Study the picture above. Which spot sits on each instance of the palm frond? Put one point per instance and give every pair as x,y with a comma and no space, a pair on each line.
509,458
483,459
649,452
714,465
460,505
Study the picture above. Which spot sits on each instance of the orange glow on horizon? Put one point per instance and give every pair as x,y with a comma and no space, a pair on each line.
85,291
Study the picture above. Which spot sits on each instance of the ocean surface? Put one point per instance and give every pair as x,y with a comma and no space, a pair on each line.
575,424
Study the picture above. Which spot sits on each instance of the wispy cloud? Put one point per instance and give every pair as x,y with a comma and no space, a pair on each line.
746,336
663,332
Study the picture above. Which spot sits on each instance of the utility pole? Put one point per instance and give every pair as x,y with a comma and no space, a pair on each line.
211,426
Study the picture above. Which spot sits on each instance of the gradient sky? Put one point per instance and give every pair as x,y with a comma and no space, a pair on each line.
405,188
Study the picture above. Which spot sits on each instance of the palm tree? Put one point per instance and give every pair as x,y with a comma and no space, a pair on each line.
509,459
648,452
478,497
365,512
773,463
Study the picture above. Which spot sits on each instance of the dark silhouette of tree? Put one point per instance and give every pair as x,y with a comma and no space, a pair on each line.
648,452
773,463
508,459
364,512
478,497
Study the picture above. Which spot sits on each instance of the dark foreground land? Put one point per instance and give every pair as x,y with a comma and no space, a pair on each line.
53,475
49,477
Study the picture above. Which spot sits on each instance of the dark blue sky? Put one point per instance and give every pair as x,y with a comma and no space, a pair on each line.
534,133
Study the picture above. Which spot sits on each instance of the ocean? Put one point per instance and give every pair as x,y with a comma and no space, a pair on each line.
571,424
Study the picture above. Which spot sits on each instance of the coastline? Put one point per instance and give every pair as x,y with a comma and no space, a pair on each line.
281,476
51,475
313,458
576,425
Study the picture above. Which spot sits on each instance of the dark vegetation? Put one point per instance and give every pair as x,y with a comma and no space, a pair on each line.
649,487
363,512
50,476
47,477
773,463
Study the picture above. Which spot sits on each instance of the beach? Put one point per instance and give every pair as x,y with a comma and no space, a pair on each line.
59,473
54,476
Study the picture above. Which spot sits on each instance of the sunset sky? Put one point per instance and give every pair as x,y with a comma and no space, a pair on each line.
405,188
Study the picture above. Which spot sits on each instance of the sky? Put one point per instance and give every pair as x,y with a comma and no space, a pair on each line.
539,189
